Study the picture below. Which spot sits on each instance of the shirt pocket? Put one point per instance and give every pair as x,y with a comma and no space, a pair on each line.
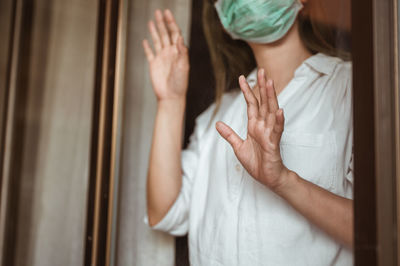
312,156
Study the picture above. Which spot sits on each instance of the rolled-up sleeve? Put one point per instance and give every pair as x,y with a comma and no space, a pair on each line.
350,170
343,113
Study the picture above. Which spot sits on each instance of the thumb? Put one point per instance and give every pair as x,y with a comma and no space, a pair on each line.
229,135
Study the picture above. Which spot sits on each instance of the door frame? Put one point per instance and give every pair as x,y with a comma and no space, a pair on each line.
376,130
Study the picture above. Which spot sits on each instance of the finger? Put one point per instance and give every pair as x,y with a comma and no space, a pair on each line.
162,29
271,120
278,127
269,130
172,26
147,49
181,46
272,99
263,93
155,36
251,100
229,135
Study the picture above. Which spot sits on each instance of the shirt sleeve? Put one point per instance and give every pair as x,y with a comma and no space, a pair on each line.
345,118
349,117
176,221
350,170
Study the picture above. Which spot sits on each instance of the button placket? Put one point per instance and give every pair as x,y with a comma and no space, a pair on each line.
235,168
236,177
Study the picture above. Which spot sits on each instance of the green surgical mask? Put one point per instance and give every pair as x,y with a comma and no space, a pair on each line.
258,21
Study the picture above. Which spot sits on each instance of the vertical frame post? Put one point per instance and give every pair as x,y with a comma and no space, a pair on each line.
375,83
106,123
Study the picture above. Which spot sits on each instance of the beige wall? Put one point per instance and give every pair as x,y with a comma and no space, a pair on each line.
55,141
136,243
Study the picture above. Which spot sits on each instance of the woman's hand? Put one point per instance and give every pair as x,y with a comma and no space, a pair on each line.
260,152
260,155
169,65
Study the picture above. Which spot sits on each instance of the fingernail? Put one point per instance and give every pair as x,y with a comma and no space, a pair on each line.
269,83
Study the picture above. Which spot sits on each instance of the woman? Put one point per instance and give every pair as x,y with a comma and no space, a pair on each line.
276,189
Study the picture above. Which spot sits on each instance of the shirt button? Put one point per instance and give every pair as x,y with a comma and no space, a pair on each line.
237,166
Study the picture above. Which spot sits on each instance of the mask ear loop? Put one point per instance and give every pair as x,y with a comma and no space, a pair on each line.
305,9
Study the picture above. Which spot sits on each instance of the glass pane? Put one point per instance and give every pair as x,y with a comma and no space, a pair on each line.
232,214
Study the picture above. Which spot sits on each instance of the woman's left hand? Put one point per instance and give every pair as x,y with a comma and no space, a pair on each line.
260,155
260,152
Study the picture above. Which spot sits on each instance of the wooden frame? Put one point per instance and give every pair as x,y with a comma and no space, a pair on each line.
385,86
375,85
106,130
396,6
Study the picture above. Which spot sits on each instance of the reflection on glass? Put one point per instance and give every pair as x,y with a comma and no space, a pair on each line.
267,176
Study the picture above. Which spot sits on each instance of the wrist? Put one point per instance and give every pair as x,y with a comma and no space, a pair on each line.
172,104
287,184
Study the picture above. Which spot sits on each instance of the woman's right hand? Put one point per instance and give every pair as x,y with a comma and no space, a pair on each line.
169,64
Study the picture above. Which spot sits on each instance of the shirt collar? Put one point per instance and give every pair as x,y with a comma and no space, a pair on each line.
319,62
252,78
322,63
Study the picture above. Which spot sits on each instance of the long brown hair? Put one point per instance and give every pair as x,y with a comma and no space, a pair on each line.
231,58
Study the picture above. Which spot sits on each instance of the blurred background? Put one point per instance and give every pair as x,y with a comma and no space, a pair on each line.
76,119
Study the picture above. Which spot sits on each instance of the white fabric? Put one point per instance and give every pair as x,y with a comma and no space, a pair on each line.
234,220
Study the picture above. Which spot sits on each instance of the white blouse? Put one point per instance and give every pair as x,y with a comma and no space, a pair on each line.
230,218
